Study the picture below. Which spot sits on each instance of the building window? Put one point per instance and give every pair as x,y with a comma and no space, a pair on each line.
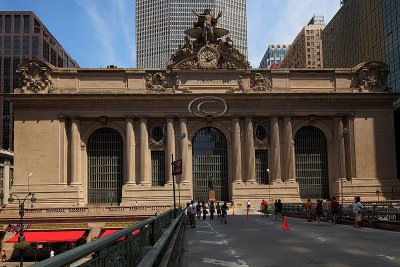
25,46
157,168
1,24
262,166
53,57
27,23
46,51
16,46
8,24
7,45
17,23
36,26
35,47
157,134
261,133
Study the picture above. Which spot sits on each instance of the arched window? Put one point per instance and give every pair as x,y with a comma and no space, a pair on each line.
104,153
312,163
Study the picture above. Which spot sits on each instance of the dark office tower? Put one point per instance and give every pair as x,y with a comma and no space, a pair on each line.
23,36
160,26
365,30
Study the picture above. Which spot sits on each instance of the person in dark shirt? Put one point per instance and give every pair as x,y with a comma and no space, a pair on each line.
224,209
334,209
279,209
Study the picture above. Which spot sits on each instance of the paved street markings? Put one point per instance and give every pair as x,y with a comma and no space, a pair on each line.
239,263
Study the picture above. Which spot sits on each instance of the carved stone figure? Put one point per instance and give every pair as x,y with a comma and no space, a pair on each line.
372,77
240,83
177,83
205,49
207,22
155,83
259,83
36,78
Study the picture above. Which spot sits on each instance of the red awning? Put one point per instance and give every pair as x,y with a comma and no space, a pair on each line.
49,236
111,231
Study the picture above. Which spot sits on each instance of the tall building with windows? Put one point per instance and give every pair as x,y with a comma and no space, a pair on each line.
22,37
160,26
306,49
364,31
274,55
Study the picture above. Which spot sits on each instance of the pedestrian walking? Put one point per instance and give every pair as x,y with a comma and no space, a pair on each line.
248,205
264,207
318,210
212,210
224,209
357,211
51,253
198,210
3,255
309,210
204,209
275,208
334,209
192,214
279,210
218,208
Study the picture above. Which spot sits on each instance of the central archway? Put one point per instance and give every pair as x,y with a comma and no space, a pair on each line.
210,160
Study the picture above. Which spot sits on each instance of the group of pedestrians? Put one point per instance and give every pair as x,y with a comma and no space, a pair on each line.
196,211
334,210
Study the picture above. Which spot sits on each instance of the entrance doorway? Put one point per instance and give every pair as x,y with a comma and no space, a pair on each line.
312,163
104,153
210,162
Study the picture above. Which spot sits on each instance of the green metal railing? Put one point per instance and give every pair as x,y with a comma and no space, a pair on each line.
122,248
378,211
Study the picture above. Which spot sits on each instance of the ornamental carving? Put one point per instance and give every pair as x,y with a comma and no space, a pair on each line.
259,83
35,77
155,83
157,135
204,47
372,76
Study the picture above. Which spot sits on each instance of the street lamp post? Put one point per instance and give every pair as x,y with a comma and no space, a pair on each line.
269,186
21,205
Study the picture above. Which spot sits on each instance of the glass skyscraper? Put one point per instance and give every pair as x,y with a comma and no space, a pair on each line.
160,26
365,30
274,55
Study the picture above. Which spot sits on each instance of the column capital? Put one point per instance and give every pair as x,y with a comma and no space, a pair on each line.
143,118
287,116
170,117
129,117
275,116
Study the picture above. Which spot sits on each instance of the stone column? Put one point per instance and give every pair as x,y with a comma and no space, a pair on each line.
250,153
130,151
75,152
170,150
237,152
349,147
144,150
340,156
275,169
184,141
6,181
288,144
63,150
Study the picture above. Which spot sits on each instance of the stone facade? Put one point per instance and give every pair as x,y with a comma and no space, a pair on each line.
53,127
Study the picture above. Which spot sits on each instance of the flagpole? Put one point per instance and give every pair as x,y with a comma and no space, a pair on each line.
173,184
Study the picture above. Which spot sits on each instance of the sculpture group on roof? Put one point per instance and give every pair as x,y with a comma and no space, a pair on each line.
204,47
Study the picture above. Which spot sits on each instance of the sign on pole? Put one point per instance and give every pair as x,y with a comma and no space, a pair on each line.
177,167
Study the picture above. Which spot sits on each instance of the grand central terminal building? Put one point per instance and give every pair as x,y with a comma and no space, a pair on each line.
108,136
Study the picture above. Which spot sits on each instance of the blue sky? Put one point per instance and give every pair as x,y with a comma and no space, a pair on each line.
97,33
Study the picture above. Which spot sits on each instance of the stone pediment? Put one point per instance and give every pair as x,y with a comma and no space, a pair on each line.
35,77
